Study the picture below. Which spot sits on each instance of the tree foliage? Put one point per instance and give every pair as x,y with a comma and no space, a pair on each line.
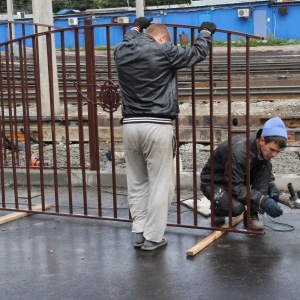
74,4
19,5
26,5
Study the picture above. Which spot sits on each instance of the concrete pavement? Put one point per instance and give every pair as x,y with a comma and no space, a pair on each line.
49,257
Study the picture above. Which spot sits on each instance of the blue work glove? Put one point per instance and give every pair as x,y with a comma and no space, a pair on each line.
211,27
142,23
273,189
271,207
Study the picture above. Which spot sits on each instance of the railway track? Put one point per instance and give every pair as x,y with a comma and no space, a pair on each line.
264,93
202,128
266,83
260,68
270,79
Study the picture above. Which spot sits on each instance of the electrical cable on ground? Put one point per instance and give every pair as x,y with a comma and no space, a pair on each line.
288,226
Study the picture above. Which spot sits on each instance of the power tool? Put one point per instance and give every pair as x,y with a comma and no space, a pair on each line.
291,200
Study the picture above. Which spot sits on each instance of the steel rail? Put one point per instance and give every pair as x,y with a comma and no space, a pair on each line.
185,94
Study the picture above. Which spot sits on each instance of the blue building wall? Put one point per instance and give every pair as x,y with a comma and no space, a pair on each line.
264,20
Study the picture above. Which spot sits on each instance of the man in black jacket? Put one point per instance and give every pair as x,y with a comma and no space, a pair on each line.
146,65
264,145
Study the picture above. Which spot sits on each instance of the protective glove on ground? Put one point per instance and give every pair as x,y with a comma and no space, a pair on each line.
271,207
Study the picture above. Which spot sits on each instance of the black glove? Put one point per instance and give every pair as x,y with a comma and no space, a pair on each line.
142,23
272,208
273,189
211,27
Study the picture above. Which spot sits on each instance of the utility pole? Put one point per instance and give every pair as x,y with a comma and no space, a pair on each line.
10,18
139,8
11,27
42,13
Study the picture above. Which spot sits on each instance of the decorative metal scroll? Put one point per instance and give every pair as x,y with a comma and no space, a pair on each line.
109,96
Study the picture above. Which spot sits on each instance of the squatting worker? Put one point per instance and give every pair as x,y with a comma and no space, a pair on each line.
265,144
146,65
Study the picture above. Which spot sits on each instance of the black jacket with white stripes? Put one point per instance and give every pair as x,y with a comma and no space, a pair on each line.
147,74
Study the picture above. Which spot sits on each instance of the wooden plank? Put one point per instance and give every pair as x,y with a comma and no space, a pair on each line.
185,129
185,134
18,215
212,237
104,133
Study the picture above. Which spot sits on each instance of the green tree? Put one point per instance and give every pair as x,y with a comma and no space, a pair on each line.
19,5
73,4
26,5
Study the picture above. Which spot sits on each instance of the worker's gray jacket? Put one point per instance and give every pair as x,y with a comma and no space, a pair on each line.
238,166
146,72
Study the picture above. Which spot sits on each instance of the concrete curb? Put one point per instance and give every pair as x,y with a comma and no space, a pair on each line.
186,178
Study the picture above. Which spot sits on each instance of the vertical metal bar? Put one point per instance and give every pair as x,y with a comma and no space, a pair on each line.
211,113
10,101
52,112
194,137
36,62
2,131
108,52
112,142
23,63
229,128
124,29
65,101
90,78
24,34
80,122
26,121
99,197
14,137
4,158
177,147
10,31
92,107
112,137
248,130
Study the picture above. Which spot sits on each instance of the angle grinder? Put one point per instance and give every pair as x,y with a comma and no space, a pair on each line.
291,200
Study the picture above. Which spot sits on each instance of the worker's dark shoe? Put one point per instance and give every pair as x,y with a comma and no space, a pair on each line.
139,240
219,221
148,245
255,222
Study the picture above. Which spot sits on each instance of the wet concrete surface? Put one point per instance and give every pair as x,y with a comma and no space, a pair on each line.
51,257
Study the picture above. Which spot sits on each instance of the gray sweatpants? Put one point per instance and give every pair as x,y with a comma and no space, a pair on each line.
150,176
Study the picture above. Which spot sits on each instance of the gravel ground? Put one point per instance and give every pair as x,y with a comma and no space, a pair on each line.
287,162
278,108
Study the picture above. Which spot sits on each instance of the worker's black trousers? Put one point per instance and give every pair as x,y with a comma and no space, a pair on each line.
259,180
